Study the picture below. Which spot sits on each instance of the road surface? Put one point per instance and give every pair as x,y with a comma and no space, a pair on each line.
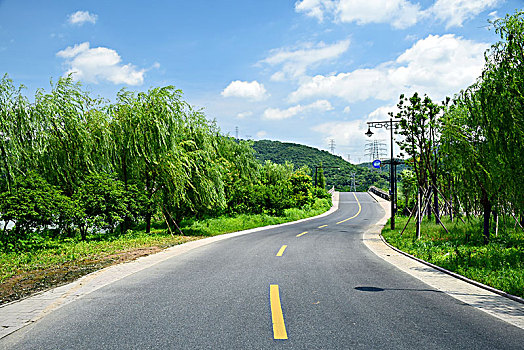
311,285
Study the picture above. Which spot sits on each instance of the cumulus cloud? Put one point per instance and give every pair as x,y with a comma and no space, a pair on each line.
295,61
399,14
436,65
99,63
250,90
81,17
456,12
345,133
279,114
315,8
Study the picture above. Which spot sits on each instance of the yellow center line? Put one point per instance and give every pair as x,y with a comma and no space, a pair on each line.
279,327
322,226
354,216
301,234
281,251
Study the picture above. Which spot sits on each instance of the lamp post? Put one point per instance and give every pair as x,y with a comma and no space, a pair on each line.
323,167
388,125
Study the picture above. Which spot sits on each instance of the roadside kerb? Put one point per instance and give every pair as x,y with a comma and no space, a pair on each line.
474,294
20,313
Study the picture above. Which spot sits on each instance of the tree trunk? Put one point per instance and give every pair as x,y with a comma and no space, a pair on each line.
148,213
428,207
435,201
418,214
486,206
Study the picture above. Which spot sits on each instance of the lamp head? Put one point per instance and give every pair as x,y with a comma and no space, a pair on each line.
369,133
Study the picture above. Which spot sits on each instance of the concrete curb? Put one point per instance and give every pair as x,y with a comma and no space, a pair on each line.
456,275
457,286
20,313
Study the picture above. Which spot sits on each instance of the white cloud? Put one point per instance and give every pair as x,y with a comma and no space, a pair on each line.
295,61
250,90
315,8
382,113
99,63
261,134
279,114
456,12
436,65
244,115
347,109
350,133
398,13
81,17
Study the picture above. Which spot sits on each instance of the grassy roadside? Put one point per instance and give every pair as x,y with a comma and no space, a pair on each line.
499,264
51,262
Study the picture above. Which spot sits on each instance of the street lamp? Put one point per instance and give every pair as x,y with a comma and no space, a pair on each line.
388,125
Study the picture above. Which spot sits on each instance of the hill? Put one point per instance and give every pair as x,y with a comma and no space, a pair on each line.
301,155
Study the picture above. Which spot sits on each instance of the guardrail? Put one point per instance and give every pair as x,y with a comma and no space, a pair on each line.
381,193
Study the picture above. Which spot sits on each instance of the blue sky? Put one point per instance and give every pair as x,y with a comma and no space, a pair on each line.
300,71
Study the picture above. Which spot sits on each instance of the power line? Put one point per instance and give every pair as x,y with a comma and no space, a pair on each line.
376,149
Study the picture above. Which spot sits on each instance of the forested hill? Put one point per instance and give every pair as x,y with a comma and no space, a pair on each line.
300,155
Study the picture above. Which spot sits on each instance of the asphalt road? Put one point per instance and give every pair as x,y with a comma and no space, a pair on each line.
325,291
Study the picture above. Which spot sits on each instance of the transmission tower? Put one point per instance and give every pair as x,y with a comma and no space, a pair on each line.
236,132
376,149
332,146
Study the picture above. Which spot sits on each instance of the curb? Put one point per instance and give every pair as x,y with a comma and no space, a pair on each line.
456,275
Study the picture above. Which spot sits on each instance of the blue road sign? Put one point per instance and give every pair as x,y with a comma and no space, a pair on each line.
376,163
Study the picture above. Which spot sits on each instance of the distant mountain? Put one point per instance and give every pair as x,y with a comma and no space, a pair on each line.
300,155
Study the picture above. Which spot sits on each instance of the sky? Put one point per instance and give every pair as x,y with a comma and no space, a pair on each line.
306,71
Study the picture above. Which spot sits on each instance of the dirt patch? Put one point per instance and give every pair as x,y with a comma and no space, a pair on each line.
26,283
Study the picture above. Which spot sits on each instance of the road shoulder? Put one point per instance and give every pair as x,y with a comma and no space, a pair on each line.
484,300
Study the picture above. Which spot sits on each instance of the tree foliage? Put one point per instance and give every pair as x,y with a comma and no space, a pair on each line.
80,165
472,152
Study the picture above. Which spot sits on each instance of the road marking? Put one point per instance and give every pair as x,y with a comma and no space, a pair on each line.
277,317
354,216
301,234
322,226
281,251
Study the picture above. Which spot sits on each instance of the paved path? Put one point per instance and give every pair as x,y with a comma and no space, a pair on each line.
312,285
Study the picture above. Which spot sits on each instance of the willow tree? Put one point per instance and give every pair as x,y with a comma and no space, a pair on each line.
501,97
168,149
20,134
74,131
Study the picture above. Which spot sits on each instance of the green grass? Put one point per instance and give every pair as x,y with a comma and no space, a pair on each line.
47,262
499,264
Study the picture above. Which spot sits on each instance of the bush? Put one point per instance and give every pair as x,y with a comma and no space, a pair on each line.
32,205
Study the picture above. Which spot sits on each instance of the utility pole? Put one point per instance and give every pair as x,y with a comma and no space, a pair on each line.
236,132
353,185
332,146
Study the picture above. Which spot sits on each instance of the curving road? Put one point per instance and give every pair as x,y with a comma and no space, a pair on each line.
271,289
